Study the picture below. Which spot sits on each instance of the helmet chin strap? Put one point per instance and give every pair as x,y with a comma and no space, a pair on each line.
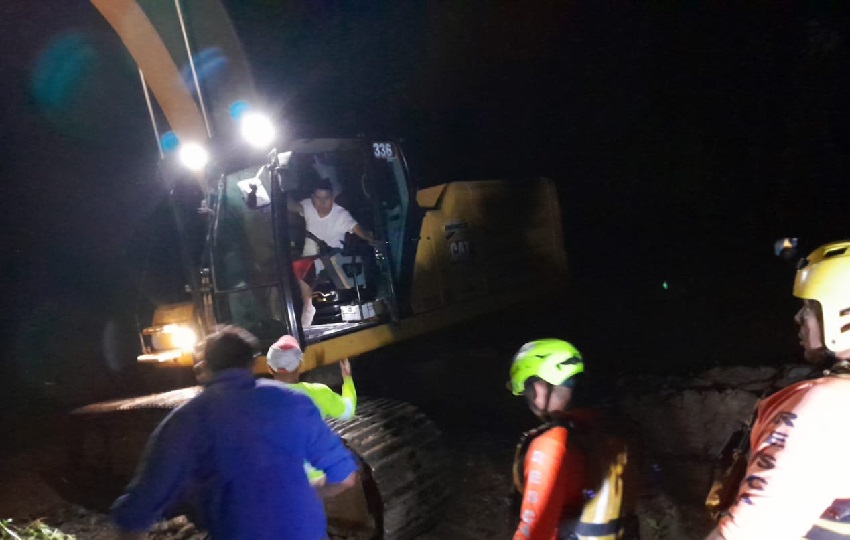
820,358
832,365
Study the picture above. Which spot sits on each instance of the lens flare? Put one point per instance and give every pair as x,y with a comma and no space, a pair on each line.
61,71
210,67
237,109
169,141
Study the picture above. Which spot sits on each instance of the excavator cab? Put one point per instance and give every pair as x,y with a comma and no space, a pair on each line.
443,255
255,240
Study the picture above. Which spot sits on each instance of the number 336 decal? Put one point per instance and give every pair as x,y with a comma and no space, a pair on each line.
383,150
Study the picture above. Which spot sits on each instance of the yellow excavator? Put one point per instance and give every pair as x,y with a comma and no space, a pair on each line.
445,254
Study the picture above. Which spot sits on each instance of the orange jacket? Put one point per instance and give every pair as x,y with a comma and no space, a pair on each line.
556,476
797,468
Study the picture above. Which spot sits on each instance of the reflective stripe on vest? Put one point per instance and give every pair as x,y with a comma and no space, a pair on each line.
825,529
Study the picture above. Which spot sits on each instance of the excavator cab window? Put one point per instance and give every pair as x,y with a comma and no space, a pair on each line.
243,255
358,286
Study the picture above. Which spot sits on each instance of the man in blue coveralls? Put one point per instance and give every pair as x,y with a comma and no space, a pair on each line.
236,451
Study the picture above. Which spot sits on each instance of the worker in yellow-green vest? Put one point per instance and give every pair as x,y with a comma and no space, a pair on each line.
284,359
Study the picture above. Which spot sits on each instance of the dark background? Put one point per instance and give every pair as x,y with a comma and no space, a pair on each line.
684,139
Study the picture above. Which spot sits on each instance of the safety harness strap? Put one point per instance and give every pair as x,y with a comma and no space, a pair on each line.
610,528
522,447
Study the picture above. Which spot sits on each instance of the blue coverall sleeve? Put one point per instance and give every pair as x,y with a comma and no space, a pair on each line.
325,450
161,476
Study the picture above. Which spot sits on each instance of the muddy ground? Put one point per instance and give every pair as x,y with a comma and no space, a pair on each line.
479,437
478,508
459,382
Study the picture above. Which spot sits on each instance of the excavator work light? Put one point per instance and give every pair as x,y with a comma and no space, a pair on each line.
193,156
174,336
183,338
257,130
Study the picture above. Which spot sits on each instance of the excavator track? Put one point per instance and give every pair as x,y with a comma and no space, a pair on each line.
403,465
104,442
404,473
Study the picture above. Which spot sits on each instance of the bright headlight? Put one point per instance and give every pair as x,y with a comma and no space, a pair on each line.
184,338
174,336
193,156
257,129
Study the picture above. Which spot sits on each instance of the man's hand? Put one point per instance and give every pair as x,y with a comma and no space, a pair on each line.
330,490
374,242
202,374
294,207
345,367
366,235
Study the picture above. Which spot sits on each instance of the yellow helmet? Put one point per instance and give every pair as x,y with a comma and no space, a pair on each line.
825,276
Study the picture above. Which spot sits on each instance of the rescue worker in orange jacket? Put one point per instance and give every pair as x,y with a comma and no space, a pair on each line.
796,484
574,475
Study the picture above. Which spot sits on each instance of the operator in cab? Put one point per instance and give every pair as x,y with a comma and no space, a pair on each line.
796,485
328,222
575,476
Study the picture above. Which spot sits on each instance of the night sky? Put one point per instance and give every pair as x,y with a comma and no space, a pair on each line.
684,140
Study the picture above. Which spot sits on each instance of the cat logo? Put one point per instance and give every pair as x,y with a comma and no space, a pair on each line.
460,251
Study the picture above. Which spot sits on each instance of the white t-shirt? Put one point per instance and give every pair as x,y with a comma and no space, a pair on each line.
331,228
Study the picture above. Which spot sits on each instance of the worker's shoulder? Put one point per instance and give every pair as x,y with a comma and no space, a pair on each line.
830,384
305,384
814,394
831,388
271,385
314,388
278,391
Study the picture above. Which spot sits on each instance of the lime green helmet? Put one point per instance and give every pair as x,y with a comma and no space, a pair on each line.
553,360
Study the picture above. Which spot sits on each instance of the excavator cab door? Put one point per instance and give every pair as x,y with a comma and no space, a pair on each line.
392,191
370,180
246,288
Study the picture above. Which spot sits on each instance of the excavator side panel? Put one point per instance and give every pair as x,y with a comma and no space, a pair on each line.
484,245
487,238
